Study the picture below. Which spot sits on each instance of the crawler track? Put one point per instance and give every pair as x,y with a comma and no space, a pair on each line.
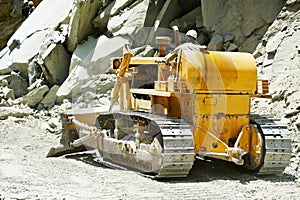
277,142
177,157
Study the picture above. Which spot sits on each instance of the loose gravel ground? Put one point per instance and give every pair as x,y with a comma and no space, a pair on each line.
26,173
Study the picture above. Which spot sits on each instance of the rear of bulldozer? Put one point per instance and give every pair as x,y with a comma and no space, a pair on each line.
175,108
223,84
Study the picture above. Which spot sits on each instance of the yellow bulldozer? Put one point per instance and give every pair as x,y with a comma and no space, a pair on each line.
176,107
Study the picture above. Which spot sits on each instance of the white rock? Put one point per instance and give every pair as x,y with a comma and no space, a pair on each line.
5,112
5,61
83,50
274,42
27,50
96,54
119,5
71,86
8,93
134,18
35,22
81,22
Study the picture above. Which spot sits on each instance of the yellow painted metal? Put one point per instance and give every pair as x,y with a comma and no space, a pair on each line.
229,104
219,71
212,91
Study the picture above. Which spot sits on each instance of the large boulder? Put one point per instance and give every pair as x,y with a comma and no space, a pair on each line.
43,19
188,21
30,47
95,54
83,13
169,11
55,64
33,97
110,10
49,38
216,43
246,20
50,98
71,86
138,15
38,32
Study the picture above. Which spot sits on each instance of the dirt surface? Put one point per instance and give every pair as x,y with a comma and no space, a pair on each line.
26,173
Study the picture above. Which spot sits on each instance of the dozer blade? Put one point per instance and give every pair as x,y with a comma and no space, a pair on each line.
63,150
70,131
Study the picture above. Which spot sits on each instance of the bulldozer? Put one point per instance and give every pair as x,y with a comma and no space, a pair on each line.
176,107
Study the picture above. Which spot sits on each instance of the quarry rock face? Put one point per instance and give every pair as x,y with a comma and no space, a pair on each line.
279,61
246,20
64,50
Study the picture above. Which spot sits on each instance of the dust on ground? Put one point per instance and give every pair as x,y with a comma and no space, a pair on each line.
26,173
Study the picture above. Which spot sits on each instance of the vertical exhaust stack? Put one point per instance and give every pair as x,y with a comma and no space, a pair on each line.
163,42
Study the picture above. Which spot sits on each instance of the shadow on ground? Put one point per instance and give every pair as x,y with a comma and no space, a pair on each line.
202,171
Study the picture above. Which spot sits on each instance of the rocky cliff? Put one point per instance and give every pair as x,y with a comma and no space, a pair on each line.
53,49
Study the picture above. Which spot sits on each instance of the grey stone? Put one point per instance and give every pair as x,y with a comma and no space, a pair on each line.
50,98
216,43
102,19
34,72
56,63
243,19
228,38
33,97
140,14
232,47
199,21
169,11
188,21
